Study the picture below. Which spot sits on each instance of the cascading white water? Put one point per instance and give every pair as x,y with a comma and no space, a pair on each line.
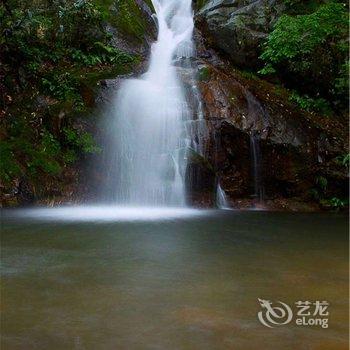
221,200
149,119
256,167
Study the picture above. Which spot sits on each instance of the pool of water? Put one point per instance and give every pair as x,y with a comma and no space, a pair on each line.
119,278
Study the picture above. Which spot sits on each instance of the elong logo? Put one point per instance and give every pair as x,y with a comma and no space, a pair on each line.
279,314
274,315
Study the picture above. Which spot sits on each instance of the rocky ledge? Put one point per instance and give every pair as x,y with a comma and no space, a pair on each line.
263,148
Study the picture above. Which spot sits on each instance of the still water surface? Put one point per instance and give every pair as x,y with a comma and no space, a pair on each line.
177,279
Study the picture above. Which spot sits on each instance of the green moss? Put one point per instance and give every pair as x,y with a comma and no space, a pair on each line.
200,4
203,74
126,17
92,76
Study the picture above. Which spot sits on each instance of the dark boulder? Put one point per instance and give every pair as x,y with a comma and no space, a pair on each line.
200,179
239,27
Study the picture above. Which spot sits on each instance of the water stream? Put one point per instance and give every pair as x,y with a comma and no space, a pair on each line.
150,117
156,122
257,167
221,199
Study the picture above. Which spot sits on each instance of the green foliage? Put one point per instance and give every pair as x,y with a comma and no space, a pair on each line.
322,182
335,203
46,156
268,69
341,85
284,43
8,165
344,160
56,50
310,52
110,54
61,86
55,35
100,54
64,87
81,141
204,74
42,156
36,159
80,23
70,157
311,104
249,74
320,191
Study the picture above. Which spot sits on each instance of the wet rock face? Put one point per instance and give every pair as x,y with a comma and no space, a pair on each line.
200,179
133,44
238,27
295,147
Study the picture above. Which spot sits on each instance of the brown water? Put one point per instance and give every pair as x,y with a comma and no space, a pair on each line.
178,282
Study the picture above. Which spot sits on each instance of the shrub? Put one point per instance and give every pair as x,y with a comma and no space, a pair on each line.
310,52
9,167
311,104
82,141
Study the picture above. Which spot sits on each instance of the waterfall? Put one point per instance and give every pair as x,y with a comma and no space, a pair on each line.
256,167
257,112
150,112
221,200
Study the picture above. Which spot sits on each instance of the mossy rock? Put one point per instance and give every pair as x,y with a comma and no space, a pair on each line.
203,74
129,17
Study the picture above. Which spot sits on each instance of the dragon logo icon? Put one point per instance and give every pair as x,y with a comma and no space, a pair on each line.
272,316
